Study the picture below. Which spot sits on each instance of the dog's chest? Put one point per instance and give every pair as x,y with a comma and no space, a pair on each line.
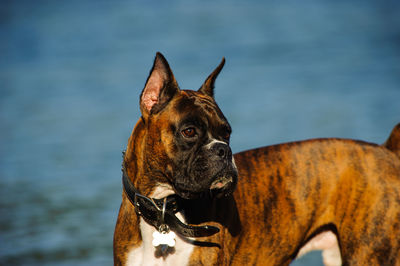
145,253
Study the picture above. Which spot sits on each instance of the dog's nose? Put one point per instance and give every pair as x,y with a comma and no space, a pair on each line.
222,150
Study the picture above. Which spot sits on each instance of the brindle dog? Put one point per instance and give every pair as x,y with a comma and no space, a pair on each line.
178,164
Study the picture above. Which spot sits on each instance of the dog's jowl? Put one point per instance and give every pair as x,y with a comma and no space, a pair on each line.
188,201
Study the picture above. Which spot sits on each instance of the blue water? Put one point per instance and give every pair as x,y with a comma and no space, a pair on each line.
71,73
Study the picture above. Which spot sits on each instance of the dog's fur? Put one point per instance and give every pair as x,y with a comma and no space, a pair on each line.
328,193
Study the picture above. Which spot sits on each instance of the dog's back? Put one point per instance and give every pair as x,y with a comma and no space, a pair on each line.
301,189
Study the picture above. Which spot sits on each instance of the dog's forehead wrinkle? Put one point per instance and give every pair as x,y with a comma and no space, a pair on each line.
212,112
198,99
205,106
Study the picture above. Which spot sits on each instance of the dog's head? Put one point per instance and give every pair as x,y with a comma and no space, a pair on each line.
186,141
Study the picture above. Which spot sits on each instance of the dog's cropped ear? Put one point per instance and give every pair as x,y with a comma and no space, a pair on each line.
160,87
208,86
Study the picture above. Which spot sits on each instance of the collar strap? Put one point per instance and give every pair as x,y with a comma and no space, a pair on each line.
152,211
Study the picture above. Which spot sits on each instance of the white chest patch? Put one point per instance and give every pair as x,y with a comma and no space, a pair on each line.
146,254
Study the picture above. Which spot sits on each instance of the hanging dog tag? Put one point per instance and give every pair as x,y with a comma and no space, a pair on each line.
164,238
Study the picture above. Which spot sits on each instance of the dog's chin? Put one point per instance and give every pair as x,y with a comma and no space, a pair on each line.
190,195
220,187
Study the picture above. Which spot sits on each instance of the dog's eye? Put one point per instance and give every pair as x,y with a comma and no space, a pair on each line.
189,132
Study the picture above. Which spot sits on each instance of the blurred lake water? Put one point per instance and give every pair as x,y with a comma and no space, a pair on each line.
71,73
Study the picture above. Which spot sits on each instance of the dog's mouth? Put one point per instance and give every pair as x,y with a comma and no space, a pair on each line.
222,186
220,183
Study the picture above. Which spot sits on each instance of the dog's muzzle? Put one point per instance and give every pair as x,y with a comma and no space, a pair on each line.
212,172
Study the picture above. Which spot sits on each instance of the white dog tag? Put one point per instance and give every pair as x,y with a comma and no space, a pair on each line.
164,238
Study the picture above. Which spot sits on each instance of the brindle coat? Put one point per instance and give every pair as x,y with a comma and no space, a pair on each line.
286,195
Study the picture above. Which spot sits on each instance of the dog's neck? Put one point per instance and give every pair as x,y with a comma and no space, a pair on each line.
161,213
133,163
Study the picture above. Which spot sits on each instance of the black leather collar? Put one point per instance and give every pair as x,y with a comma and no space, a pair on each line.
161,212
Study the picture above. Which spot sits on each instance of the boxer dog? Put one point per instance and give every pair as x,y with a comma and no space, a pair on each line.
188,201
